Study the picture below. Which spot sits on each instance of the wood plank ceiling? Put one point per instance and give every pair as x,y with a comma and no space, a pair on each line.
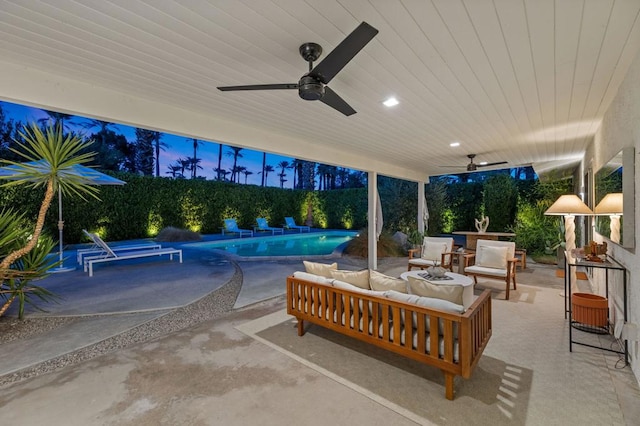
523,81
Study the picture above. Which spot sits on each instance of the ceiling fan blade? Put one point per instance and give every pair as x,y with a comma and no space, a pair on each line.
343,53
259,87
490,164
332,99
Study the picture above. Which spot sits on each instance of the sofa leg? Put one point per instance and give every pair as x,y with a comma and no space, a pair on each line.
300,327
508,287
448,385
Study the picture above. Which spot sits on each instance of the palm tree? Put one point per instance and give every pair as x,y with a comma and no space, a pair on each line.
322,174
158,146
283,166
196,144
174,169
23,260
235,153
58,118
246,173
282,176
222,173
265,174
193,165
297,173
219,169
184,164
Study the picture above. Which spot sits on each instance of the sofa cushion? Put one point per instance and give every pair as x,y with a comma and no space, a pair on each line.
451,293
346,286
475,269
312,277
357,278
418,261
427,302
321,269
382,282
492,257
433,250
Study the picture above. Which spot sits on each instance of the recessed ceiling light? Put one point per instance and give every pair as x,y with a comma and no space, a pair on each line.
482,163
454,144
391,102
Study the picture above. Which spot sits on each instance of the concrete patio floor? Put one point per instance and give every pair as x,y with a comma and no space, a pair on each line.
133,305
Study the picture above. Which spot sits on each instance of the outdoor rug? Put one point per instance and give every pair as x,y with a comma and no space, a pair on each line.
526,376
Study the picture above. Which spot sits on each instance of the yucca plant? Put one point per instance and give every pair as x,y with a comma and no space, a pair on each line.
50,157
17,283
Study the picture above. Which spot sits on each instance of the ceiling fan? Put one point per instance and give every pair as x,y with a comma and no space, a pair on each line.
313,85
472,167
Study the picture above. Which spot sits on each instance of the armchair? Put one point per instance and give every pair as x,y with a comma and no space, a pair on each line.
435,251
493,259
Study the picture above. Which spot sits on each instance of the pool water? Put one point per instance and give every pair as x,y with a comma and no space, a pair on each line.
307,244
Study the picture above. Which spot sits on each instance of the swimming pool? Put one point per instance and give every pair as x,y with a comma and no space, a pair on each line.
311,244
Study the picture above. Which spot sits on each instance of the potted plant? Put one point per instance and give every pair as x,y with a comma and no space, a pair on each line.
49,157
415,239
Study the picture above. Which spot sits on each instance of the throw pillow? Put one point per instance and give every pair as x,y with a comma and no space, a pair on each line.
321,269
382,282
492,257
312,277
433,251
357,278
452,293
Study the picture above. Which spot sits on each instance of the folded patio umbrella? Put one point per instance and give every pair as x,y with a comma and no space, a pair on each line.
84,174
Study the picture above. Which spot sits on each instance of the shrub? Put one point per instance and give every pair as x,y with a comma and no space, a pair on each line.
171,234
387,247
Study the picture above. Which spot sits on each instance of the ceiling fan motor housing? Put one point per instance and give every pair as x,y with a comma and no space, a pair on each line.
310,89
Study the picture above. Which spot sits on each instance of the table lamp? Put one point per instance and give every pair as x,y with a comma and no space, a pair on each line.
569,206
611,205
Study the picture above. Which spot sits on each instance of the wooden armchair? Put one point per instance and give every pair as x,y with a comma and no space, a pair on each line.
493,259
435,251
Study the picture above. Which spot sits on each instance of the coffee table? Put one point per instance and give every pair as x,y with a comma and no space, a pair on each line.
457,279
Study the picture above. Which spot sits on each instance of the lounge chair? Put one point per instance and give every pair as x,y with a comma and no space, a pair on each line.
110,255
231,227
95,249
263,225
435,251
291,224
493,259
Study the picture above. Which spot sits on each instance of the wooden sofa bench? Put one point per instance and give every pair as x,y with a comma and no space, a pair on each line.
457,350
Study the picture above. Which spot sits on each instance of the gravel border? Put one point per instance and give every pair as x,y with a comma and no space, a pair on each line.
211,306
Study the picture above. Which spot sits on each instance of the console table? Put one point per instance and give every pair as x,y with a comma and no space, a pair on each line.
609,265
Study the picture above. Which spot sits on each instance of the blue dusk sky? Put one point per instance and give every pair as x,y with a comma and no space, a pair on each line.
178,147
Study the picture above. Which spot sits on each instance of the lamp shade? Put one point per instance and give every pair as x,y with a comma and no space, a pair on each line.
611,204
569,205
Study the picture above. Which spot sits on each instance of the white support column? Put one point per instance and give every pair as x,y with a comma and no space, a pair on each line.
371,214
421,205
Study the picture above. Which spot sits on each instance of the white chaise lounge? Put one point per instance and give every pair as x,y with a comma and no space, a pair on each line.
97,250
112,256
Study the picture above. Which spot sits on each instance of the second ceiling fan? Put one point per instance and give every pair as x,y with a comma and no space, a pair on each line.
313,85
472,167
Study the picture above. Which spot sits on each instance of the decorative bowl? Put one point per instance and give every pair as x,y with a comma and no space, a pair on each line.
436,271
